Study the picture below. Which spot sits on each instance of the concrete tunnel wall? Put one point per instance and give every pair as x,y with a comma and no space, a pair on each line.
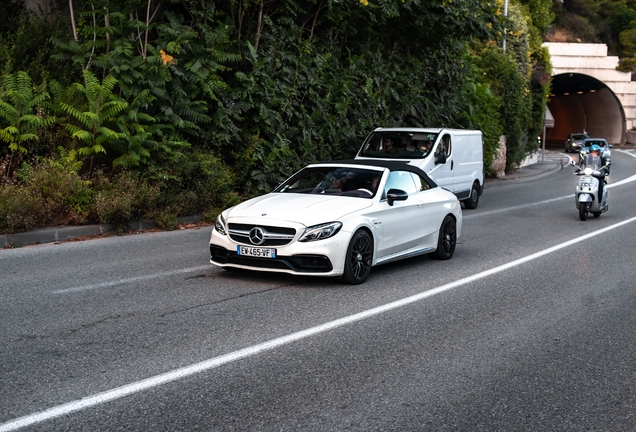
605,116
600,113
579,69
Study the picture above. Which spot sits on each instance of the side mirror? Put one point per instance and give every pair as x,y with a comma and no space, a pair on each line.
440,158
396,195
572,162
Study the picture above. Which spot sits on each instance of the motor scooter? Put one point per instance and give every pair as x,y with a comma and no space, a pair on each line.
586,196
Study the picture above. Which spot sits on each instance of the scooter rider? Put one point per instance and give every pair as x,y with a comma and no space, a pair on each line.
598,162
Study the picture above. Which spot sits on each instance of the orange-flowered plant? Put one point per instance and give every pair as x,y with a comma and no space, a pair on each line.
166,58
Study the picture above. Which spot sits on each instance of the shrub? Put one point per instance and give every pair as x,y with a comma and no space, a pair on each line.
46,192
20,210
123,198
194,183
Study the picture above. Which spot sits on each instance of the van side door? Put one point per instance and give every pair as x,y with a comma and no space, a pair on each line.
468,164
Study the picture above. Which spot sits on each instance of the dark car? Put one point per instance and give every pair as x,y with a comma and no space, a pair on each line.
574,141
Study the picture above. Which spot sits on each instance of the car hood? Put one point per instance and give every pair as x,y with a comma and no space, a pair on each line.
304,209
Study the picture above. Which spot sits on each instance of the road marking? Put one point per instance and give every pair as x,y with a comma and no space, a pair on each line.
129,280
627,152
622,182
177,374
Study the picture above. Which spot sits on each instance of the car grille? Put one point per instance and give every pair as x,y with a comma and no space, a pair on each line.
271,235
300,263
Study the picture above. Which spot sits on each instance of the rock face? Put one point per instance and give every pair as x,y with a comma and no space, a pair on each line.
499,162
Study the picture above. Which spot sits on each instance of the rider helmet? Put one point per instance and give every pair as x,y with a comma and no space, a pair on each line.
595,148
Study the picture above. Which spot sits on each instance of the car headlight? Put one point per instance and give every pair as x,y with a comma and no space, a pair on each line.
320,232
219,226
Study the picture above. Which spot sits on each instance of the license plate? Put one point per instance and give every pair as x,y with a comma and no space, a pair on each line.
256,252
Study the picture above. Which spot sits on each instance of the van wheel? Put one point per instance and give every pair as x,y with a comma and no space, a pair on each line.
473,199
447,239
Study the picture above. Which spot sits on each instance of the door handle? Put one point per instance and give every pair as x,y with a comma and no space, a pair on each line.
452,163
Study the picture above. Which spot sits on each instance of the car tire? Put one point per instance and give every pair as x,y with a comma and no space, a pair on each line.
473,199
446,240
357,265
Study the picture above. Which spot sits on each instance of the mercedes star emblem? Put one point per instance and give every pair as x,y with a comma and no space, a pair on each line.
257,236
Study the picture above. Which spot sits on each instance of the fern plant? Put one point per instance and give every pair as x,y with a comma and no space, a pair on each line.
22,111
92,115
141,135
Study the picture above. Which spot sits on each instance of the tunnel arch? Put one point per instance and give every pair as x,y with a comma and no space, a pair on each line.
580,102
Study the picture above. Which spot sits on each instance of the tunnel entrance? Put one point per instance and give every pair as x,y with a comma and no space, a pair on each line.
580,102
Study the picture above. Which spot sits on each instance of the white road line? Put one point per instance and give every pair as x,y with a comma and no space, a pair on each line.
622,182
177,374
627,152
128,280
532,204
507,209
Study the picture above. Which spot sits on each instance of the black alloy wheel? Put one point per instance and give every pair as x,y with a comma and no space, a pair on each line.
447,239
358,259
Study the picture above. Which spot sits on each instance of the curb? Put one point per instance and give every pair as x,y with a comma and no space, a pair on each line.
58,234
522,178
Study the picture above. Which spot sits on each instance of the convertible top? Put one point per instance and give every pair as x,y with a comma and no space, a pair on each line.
391,165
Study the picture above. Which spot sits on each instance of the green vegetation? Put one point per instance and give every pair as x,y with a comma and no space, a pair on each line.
612,22
140,109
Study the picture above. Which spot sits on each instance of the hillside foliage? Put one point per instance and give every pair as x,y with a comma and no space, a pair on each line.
164,108
612,22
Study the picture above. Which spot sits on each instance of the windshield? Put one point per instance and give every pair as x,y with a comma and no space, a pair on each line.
579,136
600,143
398,145
593,162
338,181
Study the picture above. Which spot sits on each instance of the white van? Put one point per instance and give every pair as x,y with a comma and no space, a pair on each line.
453,158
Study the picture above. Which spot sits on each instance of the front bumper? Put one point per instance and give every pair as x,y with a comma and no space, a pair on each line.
301,263
318,258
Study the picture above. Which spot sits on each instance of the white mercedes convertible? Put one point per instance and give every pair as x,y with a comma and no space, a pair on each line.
339,219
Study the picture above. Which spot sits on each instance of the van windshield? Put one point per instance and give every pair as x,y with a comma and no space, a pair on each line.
398,145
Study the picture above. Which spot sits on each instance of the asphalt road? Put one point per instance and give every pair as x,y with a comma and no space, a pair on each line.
530,326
